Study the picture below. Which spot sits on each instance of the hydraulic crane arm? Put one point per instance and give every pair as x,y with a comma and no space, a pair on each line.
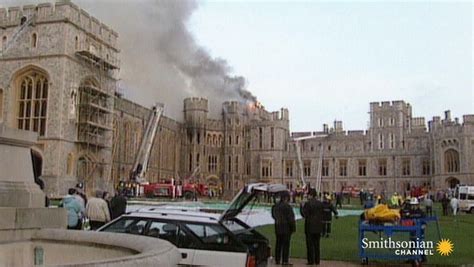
300,160
300,163
140,164
195,171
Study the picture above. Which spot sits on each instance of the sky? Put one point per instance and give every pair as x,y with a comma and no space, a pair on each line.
323,60
327,61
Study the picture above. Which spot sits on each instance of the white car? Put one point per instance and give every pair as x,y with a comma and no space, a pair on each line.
204,239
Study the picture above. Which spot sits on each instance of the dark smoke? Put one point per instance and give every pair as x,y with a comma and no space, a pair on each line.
160,59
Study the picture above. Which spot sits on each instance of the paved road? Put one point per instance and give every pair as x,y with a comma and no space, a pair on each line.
302,262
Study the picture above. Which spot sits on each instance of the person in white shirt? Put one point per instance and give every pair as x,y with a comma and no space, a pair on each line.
454,205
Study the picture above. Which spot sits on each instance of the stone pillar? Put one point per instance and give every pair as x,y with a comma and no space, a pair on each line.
21,200
17,184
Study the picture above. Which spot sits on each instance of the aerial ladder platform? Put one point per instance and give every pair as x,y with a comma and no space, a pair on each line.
140,165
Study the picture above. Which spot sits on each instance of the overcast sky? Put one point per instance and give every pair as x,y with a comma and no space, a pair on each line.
327,61
324,61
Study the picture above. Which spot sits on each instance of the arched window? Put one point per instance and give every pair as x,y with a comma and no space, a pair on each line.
83,168
76,43
1,105
380,141
34,40
32,102
4,42
451,161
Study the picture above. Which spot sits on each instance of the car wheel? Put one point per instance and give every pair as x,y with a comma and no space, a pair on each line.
471,210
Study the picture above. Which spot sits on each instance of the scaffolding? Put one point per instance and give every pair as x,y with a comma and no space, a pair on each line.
95,116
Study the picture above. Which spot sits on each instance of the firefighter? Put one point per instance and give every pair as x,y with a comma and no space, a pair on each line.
328,210
412,210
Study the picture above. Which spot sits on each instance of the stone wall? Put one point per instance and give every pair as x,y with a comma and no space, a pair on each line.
248,143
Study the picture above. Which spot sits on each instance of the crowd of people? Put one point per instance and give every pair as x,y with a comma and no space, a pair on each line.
318,215
90,213
449,202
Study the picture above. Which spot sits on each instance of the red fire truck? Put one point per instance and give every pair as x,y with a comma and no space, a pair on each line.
171,189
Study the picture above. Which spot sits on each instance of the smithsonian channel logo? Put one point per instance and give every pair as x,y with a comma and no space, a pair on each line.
417,247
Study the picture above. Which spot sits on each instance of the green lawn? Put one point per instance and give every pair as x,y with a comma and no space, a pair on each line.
343,243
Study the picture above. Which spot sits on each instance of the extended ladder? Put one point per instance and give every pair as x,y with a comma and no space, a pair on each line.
25,22
320,163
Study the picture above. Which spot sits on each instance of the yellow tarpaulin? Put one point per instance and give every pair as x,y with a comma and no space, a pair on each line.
382,213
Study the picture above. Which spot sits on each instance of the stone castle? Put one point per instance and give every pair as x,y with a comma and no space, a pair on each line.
59,74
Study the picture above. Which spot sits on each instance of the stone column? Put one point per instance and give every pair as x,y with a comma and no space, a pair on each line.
21,200
17,184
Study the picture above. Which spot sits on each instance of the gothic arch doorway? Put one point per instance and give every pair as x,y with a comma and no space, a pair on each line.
452,182
85,170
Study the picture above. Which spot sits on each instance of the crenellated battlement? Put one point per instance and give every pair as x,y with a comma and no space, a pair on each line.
195,104
418,122
439,124
468,119
384,105
60,11
356,133
233,107
285,114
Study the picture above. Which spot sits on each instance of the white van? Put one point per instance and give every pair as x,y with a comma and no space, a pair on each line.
465,194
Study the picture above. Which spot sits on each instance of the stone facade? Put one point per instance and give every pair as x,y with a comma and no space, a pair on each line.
394,154
92,134
67,48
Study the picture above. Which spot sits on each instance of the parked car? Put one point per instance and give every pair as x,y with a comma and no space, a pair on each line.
204,238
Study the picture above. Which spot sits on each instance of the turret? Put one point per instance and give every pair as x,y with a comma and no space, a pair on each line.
195,111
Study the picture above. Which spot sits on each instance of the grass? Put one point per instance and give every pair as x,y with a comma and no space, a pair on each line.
343,243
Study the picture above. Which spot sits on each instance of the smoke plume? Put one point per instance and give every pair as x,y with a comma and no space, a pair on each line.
160,59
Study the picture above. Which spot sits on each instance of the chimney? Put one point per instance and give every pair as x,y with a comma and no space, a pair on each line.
325,128
447,115
338,126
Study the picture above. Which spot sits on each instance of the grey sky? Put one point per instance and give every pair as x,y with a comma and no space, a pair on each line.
327,61
322,60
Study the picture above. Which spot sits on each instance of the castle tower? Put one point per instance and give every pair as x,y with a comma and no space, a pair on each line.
195,116
59,68
234,145
389,123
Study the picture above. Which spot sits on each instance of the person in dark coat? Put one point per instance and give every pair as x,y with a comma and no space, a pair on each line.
444,204
328,210
362,195
285,225
339,199
118,205
312,212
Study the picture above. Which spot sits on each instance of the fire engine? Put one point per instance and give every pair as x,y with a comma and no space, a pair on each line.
173,189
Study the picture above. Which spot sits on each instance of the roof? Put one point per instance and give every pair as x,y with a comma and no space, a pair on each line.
175,214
